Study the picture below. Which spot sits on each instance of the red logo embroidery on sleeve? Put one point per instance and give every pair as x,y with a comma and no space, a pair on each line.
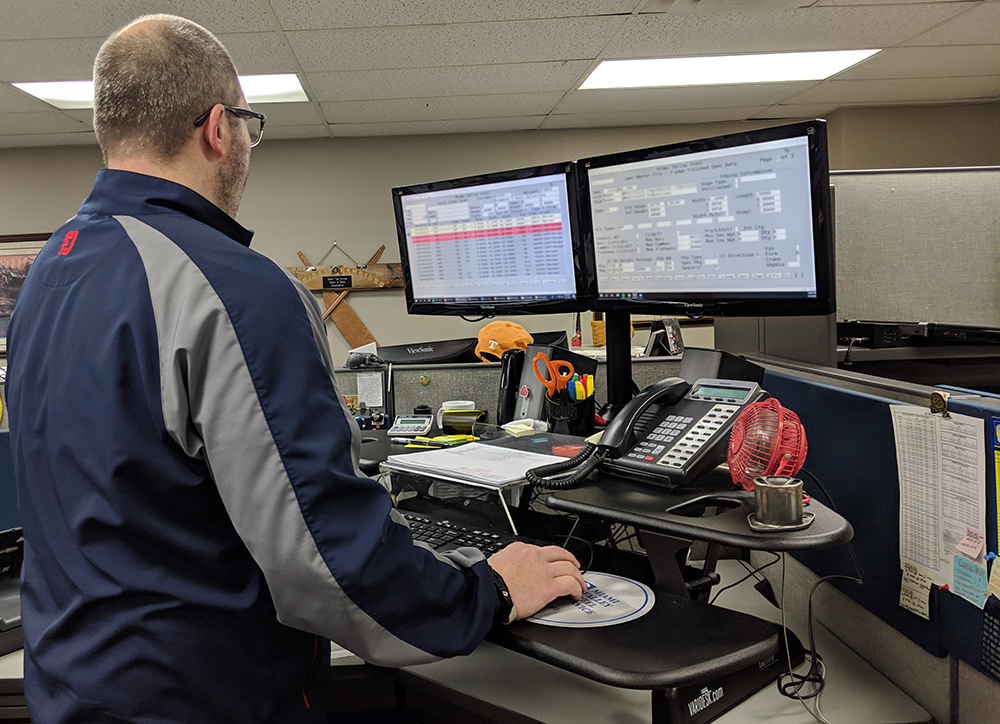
68,242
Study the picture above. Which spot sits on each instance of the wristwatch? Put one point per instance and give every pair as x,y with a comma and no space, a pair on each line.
506,613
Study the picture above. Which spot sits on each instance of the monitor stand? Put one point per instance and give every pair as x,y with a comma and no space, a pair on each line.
618,365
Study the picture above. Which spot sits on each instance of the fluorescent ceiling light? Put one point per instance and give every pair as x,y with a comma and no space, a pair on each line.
279,88
77,94
722,69
64,94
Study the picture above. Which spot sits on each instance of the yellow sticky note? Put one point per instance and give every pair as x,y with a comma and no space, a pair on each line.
995,577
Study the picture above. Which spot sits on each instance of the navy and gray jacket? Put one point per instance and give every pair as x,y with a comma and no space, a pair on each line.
195,526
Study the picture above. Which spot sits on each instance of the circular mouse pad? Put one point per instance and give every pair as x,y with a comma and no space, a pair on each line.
608,600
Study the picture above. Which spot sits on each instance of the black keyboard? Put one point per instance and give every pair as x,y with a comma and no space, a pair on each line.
443,535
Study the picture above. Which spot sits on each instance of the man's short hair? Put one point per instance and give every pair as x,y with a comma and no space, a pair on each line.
152,79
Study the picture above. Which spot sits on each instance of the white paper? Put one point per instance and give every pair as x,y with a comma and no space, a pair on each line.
370,388
473,463
942,486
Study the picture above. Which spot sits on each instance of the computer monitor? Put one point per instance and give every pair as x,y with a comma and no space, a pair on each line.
498,244
734,225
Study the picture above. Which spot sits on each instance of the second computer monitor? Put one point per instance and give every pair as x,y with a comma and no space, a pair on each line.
735,225
497,244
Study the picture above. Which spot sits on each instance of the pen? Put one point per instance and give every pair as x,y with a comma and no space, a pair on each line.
420,441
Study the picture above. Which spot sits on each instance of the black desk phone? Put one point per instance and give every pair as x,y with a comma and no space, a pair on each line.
672,431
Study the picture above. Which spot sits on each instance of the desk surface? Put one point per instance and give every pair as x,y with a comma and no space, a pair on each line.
662,510
536,691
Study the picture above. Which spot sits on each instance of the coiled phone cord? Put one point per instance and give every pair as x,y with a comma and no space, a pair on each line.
581,465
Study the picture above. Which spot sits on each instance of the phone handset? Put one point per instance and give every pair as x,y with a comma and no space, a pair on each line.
617,439
619,435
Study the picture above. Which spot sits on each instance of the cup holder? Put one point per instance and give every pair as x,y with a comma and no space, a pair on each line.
707,506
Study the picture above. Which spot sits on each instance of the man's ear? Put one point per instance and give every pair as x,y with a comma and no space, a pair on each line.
211,130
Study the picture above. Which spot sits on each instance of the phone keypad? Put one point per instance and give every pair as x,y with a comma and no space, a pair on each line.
677,438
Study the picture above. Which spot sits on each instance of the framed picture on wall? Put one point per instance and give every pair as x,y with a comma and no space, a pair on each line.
17,252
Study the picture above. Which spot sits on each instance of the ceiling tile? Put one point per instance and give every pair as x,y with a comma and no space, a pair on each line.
649,118
288,132
448,81
36,60
424,128
980,25
933,62
288,114
908,90
99,18
652,99
44,122
795,110
13,100
35,140
307,14
438,109
670,35
258,53
83,115
843,3
442,45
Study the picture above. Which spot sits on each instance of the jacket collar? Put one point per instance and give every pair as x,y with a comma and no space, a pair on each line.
134,194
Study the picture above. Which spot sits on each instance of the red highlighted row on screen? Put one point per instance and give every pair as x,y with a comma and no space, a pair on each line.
527,229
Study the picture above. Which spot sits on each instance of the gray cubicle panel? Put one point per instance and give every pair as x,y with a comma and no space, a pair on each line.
852,451
432,385
912,245
918,245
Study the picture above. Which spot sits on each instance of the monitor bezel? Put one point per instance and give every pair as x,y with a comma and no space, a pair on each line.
497,308
736,305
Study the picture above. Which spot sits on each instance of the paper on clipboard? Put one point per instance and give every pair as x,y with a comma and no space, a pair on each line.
473,464
942,475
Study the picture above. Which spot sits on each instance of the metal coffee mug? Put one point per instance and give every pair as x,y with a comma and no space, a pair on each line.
778,500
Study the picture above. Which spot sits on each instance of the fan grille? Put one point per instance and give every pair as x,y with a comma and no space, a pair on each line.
767,439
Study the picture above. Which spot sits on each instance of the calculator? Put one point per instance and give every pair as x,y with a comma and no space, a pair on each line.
411,425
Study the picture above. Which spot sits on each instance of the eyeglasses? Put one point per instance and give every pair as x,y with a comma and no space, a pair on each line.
255,121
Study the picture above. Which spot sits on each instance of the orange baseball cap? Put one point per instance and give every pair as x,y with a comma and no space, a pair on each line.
497,337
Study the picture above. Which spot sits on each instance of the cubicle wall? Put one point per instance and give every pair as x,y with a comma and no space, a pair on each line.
920,245
912,245
852,452
432,385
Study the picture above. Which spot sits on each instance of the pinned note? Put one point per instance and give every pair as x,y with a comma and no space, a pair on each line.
914,595
995,580
972,544
970,582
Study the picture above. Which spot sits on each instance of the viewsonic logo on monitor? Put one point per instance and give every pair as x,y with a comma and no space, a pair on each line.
420,350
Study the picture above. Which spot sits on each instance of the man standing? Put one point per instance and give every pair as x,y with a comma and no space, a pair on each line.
195,527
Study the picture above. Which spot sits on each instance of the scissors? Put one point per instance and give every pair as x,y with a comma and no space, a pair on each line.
557,373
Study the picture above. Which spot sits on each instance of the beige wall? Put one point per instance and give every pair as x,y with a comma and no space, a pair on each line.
304,195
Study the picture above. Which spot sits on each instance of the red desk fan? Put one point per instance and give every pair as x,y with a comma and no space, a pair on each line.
767,439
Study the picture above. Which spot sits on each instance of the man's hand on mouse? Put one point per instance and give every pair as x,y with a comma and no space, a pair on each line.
536,575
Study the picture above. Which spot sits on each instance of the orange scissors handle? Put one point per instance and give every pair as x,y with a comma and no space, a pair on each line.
556,375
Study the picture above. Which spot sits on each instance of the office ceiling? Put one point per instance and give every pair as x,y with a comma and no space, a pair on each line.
410,67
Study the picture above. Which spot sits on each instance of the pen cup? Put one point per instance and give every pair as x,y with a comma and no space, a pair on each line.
778,500
567,416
